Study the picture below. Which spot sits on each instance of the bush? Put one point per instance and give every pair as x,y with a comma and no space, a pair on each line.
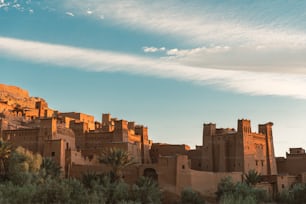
11,193
189,196
230,198
241,192
226,185
295,195
146,190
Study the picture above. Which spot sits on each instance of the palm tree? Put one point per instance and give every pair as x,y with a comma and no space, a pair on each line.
5,152
50,168
118,160
252,177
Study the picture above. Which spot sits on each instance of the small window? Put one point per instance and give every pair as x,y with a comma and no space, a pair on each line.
283,186
52,154
183,166
256,163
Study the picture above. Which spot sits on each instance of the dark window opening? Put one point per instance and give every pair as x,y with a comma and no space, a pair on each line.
52,154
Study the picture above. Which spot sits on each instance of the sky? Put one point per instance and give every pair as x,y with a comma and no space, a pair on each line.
170,65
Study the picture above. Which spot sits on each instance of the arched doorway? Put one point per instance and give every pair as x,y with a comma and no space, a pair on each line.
151,173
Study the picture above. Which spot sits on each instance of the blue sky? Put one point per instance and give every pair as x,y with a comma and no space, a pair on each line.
171,65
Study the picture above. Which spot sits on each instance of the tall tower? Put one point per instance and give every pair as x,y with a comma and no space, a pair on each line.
47,131
121,131
243,156
209,130
266,129
145,146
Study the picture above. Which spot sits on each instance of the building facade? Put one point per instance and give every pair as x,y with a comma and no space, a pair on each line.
230,150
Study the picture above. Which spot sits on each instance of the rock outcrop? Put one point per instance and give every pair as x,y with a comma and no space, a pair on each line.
12,97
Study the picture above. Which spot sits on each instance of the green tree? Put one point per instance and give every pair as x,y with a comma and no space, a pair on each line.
146,190
5,152
295,195
189,196
226,185
113,192
252,177
23,166
90,180
118,160
241,192
49,168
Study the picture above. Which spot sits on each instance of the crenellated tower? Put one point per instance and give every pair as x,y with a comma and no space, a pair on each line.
266,129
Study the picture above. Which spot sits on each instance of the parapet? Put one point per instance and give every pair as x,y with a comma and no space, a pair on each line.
298,150
244,125
220,131
106,118
131,125
209,129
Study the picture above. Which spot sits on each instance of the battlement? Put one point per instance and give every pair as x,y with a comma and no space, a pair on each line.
244,126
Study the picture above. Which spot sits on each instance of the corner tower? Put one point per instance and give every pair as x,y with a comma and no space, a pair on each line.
209,131
266,129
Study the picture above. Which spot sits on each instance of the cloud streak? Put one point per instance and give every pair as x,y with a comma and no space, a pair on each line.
216,35
103,61
153,49
199,23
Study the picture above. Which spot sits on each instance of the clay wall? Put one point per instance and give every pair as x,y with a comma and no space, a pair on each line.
294,164
130,174
159,149
27,138
81,117
55,149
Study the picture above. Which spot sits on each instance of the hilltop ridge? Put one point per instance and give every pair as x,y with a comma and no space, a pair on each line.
17,106
14,97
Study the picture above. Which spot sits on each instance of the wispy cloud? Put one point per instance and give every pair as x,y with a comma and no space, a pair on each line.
153,49
69,14
194,51
217,35
199,23
103,61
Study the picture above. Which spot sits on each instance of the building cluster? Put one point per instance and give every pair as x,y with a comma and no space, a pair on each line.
75,140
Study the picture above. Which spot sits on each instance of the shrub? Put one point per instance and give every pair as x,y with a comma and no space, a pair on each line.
189,196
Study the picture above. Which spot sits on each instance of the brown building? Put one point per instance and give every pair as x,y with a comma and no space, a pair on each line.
294,163
49,139
113,133
69,140
228,150
160,150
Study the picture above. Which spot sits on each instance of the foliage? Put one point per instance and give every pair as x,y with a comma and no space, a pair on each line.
32,179
117,159
228,192
225,186
10,193
252,177
146,190
90,180
189,196
23,166
229,198
49,168
295,195
5,152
